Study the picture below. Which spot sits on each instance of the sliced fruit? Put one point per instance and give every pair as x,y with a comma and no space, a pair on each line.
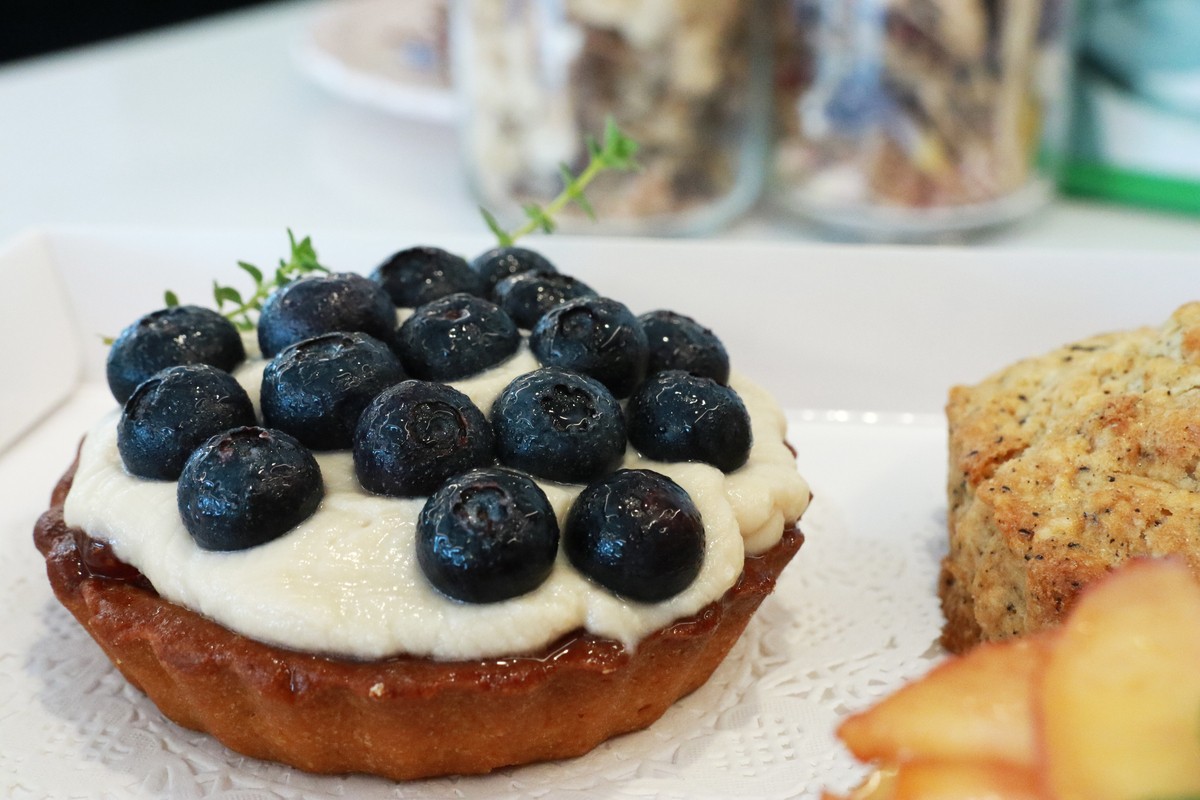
937,779
1120,695
964,780
979,706
879,785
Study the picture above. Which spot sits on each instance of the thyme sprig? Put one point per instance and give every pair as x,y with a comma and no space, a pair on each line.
614,151
242,311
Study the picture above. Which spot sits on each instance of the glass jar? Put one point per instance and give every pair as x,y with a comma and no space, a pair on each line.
687,79
901,119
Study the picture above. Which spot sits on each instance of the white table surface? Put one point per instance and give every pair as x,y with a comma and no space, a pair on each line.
210,125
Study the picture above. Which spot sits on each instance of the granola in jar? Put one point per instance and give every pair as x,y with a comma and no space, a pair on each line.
921,115
686,79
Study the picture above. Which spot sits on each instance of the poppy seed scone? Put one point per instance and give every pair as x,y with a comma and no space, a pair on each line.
1063,466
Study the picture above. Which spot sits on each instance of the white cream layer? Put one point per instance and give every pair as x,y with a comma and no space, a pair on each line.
346,581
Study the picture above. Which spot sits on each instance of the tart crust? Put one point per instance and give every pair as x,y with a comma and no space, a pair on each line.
400,718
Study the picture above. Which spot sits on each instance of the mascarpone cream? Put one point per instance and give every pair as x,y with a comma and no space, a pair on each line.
346,581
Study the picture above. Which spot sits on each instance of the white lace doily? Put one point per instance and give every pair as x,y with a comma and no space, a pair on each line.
853,617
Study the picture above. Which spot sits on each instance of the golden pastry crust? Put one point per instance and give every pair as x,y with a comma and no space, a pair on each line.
401,718
1065,465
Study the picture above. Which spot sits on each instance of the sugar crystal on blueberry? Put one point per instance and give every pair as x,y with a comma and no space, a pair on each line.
499,263
415,435
174,412
324,304
679,342
526,296
246,487
637,533
677,416
317,388
171,337
417,275
596,336
559,425
486,536
455,337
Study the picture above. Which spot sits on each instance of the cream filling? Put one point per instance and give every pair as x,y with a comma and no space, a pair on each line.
346,581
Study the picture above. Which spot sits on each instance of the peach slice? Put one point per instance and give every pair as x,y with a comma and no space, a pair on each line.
964,780
935,779
1120,694
879,785
977,707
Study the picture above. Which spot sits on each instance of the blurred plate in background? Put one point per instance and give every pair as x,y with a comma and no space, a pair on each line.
388,55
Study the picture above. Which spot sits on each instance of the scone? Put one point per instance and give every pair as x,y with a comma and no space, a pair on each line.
373,566
1063,466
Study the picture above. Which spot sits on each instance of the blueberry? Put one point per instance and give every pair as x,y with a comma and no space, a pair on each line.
528,295
324,304
316,389
596,336
417,275
559,425
679,342
486,536
171,337
455,337
247,486
637,533
415,435
174,412
676,416
499,263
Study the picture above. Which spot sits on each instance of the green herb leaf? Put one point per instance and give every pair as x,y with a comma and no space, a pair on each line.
575,192
304,256
108,340
538,216
501,235
615,151
618,150
243,310
254,272
224,294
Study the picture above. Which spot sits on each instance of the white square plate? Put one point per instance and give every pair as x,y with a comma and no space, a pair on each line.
863,343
